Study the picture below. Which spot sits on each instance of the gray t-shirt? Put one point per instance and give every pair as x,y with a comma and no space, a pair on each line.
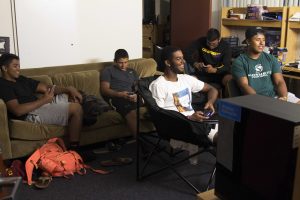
258,71
119,80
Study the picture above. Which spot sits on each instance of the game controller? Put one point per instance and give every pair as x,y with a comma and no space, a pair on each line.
207,113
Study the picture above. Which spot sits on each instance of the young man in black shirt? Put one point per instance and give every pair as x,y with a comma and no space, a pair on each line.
210,57
57,105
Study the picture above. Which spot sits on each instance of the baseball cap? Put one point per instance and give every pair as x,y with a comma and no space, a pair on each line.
252,31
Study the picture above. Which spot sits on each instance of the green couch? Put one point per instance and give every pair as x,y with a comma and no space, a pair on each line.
21,138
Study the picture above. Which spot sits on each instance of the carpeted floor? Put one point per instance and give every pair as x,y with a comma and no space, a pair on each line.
122,184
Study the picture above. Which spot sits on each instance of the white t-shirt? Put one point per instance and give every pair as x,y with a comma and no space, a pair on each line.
177,95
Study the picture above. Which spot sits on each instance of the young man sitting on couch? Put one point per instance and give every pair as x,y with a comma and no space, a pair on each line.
57,105
117,84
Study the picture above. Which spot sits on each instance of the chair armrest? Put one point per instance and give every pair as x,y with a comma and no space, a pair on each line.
158,73
4,132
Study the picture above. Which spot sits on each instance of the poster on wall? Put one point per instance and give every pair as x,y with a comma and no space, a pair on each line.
4,45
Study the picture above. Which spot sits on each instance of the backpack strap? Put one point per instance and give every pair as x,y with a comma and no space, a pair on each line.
81,167
98,171
30,164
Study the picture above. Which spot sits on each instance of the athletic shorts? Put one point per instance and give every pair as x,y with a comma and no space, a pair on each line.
56,112
123,106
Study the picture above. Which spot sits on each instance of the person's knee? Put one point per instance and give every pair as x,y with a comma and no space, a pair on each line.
226,78
75,109
131,114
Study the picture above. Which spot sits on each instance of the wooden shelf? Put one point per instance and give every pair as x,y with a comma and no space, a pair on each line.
248,22
293,32
295,25
234,26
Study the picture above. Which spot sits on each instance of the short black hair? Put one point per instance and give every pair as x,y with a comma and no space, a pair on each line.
212,34
6,59
167,54
121,53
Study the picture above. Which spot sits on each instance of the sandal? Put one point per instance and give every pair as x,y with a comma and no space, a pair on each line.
117,161
43,182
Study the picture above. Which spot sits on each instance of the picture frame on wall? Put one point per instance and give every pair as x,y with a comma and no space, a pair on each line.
4,45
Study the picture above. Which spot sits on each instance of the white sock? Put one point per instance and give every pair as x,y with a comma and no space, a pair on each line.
212,132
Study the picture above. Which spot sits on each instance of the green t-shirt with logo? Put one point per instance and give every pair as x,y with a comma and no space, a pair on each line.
258,71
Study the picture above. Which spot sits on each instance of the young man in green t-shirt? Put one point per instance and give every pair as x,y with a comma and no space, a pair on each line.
257,72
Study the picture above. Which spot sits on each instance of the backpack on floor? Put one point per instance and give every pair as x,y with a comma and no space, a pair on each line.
53,159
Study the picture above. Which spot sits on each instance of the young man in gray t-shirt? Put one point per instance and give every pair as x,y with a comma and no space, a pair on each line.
117,84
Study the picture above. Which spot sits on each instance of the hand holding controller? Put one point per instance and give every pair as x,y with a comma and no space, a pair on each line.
207,113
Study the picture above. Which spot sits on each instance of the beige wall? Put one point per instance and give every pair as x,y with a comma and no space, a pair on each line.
6,22
216,14
66,32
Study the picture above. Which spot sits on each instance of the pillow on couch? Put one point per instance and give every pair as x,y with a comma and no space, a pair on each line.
86,81
144,67
43,78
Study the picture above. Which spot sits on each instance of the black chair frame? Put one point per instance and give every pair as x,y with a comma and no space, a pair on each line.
158,146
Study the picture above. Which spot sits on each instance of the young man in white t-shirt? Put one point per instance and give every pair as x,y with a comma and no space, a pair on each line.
173,90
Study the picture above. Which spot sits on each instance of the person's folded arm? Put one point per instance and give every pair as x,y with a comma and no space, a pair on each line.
70,90
21,109
107,91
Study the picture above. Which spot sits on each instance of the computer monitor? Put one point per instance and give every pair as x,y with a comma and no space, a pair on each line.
257,152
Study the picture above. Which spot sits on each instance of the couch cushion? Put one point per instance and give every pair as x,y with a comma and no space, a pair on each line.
109,118
144,67
87,81
43,78
24,130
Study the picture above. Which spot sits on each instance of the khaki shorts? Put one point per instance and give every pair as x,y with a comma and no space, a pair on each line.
56,112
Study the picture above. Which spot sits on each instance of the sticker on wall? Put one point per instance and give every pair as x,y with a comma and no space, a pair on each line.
4,45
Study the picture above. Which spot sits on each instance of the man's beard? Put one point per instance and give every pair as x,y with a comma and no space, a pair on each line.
176,70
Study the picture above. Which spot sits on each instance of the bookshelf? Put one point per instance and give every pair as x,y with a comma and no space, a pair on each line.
229,25
149,39
292,41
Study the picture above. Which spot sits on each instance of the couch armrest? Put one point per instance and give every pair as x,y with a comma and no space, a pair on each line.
4,132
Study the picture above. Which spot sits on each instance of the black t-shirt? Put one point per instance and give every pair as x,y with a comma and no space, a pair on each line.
23,90
119,80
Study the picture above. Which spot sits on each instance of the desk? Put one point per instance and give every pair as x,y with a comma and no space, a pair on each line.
208,195
293,76
295,71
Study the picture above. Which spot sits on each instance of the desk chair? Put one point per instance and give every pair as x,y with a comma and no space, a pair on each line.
233,89
169,125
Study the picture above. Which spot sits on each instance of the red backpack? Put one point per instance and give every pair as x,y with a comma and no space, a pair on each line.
53,159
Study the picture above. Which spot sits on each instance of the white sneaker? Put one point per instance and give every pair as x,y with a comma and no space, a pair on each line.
212,132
